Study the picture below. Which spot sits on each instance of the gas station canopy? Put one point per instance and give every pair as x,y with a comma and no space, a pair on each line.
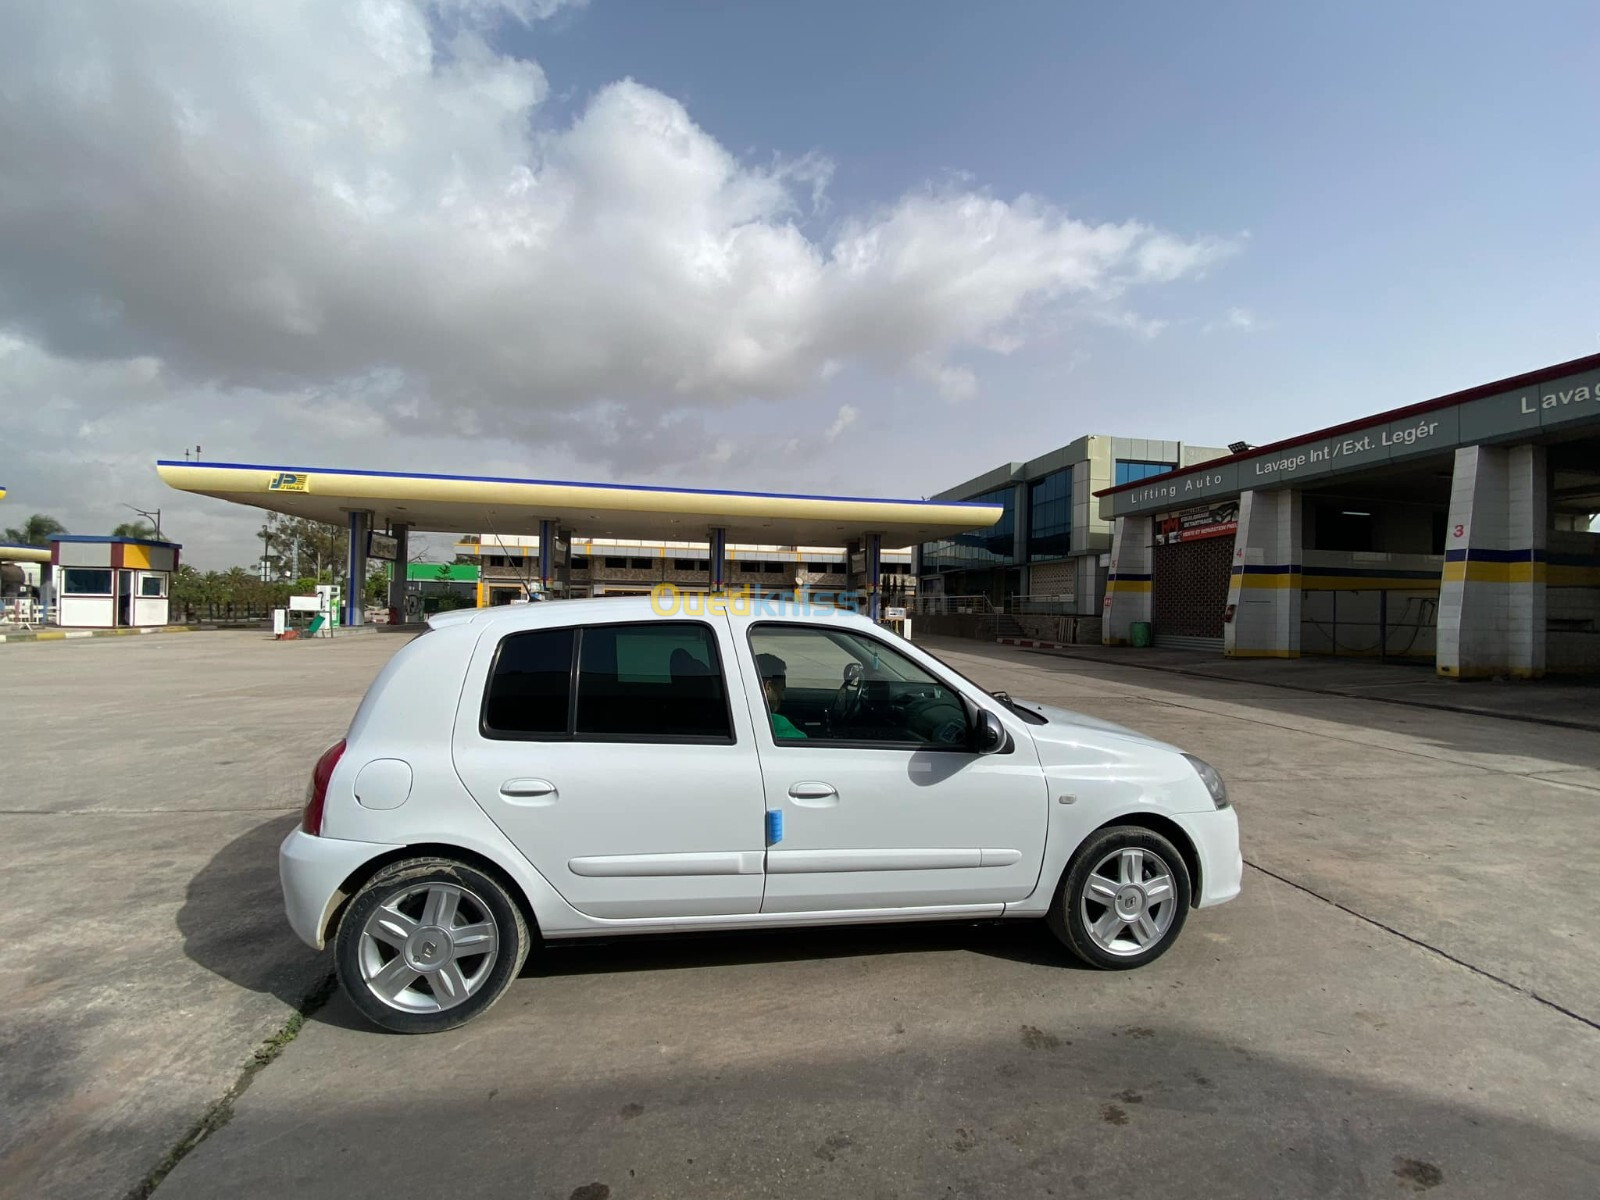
446,503
11,552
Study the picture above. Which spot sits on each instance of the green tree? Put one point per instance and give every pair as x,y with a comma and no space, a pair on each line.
36,530
313,549
135,529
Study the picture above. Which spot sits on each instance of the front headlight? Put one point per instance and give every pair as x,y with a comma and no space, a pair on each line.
1213,781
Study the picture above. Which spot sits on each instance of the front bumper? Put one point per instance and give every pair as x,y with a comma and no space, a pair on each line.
311,870
1216,840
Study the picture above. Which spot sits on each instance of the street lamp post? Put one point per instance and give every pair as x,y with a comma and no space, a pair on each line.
153,517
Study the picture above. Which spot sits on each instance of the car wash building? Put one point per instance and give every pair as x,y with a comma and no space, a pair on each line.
1456,531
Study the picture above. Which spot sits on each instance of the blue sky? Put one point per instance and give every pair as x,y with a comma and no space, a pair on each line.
1417,183
871,248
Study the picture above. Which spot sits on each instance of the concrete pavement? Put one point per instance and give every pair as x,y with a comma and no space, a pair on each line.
1401,1001
1282,1049
1378,1021
1439,825
145,785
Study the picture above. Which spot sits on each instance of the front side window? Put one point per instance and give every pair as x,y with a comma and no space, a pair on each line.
85,581
830,686
153,586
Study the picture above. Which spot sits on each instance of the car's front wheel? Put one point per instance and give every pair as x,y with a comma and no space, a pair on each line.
1123,899
427,944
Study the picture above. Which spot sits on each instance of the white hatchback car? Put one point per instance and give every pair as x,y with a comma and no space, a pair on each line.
593,768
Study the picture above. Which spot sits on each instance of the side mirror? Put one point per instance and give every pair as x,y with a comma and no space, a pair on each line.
989,735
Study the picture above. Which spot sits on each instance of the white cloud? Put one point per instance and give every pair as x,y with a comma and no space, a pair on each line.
1129,322
846,417
363,213
956,384
1238,320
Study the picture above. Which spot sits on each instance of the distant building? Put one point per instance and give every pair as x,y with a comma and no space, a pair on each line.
1048,552
508,568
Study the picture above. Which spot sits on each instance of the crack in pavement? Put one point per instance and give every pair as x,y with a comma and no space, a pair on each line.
220,1111
1428,946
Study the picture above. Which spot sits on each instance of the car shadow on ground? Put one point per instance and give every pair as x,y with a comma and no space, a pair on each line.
1002,1108
1027,942
232,919
1017,941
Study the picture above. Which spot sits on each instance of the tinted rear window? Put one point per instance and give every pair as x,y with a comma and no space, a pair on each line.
662,679
531,687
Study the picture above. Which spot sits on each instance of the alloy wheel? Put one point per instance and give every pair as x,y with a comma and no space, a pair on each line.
1128,901
428,947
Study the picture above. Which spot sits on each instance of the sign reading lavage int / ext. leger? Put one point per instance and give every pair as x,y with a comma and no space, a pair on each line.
1500,417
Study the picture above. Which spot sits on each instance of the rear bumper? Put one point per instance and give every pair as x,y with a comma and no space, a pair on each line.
1216,840
311,870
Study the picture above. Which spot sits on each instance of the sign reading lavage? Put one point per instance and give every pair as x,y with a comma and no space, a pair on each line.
1191,524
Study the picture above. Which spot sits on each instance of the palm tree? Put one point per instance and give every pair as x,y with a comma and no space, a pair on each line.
135,529
35,531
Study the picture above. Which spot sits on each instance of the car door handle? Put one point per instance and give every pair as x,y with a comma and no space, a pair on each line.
814,792
529,790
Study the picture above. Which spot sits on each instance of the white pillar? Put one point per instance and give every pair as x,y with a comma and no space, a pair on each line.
1128,584
1492,596
1264,589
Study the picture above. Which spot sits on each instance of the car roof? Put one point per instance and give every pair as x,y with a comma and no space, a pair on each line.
609,609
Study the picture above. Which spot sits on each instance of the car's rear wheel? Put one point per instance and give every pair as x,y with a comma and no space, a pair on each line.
1123,899
427,944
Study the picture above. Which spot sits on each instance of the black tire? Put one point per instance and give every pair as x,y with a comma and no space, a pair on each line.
1067,918
481,899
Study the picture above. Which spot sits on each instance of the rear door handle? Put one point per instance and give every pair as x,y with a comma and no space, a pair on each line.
814,791
526,790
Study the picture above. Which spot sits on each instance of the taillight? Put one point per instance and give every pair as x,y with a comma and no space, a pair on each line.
317,789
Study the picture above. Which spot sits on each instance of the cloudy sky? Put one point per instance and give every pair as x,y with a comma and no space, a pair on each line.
873,248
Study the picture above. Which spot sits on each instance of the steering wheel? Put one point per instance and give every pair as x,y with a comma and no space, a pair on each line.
847,700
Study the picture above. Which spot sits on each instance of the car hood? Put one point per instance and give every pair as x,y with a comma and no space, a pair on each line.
1064,726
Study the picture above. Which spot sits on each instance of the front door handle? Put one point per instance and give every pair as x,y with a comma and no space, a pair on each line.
528,790
814,791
